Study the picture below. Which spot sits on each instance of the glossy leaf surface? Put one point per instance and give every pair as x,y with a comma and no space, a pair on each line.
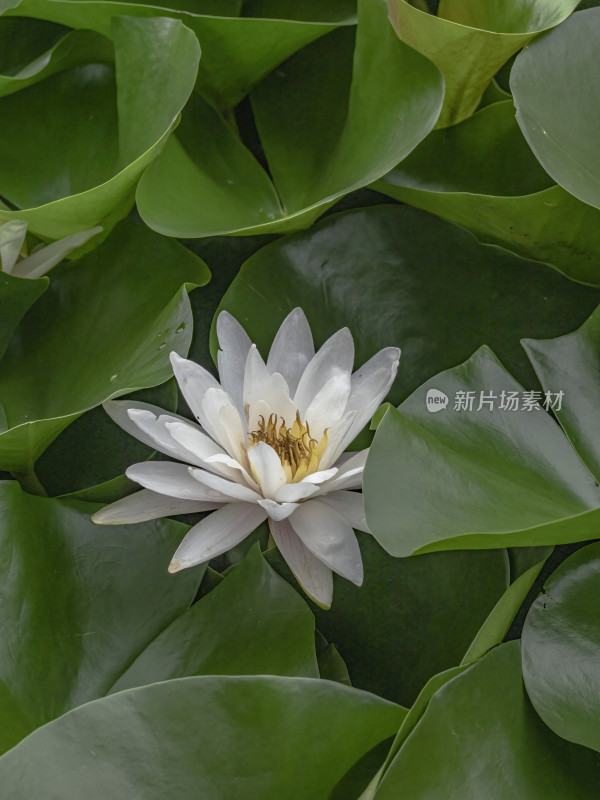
396,276
236,51
469,41
219,736
488,742
482,175
206,182
412,618
79,602
556,90
105,327
561,648
100,125
252,623
475,476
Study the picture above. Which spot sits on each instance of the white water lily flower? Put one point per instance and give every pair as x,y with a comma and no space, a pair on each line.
13,253
270,445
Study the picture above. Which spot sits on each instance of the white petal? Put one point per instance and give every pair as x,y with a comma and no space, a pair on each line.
159,431
265,394
118,410
292,492
12,237
336,438
350,473
230,468
166,477
321,476
328,405
336,355
278,511
234,343
193,441
370,385
351,506
194,381
292,348
332,540
232,490
145,505
314,577
223,422
267,468
217,533
351,479
42,260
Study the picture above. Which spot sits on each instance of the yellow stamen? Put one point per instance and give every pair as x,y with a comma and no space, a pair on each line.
299,453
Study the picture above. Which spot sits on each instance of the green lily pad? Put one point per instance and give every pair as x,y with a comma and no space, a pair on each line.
74,49
23,42
482,175
94,450
572,364
105,327
237,52
561,648
478,472
252,623
79,603
501,617
479,737
469,41
17,295
396,276
338,10
412,618
556,94
321,139
100,125
221,738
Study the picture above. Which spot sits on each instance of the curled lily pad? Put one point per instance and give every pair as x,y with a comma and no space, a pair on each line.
236,51
101,124
469,41
321,140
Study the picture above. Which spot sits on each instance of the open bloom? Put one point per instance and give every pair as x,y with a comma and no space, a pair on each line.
270,445
15,260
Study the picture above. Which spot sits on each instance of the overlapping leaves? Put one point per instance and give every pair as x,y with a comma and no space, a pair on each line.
91,619
482,175
76,141
475,757
321,139
396,276
483,475
469,41
225,737
104,327
92,611
236,51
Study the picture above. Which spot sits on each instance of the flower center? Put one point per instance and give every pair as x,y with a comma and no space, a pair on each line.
298,451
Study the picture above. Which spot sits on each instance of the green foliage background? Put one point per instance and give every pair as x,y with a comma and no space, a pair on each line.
425,173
